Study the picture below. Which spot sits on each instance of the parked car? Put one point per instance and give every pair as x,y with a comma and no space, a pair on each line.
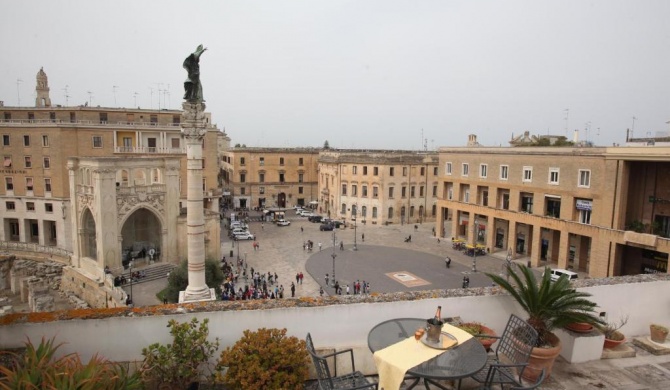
306,213
315,218
239,231
326,227
244,236
337,224
283,222
557,273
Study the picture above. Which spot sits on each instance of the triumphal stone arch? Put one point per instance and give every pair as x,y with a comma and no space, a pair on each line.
124,208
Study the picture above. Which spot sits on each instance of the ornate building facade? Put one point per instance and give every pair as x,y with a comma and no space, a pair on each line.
48,193
270,177
378,186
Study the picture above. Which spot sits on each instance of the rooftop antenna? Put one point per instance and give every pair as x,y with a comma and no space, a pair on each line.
160,90
632,129
18,94
90,98
151,97
567,116
66,95
114,88
135,96
168,95
422,139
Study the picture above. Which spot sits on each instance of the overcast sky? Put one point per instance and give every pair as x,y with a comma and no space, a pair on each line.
361,73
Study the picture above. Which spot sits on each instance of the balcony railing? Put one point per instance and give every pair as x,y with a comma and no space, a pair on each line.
133,190
60,122
33,247
149,150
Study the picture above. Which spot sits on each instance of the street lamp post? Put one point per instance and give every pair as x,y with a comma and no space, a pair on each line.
474,252
508,262
130,267
333,256
355,211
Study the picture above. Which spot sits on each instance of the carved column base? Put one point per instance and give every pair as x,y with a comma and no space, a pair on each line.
207,294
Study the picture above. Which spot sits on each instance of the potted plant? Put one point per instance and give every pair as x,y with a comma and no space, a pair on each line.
658,333
178,365
265,359
39,368
549,305
613,338
481,331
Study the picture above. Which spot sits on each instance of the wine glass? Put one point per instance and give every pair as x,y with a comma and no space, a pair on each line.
418,334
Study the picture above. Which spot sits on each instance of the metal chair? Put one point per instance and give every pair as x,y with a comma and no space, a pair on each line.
511,354
351,381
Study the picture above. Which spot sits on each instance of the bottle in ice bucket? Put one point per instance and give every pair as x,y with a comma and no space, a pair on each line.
434,326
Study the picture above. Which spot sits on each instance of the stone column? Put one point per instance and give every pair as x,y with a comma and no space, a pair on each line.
193,130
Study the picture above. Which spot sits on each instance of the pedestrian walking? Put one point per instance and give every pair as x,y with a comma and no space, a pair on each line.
297,278
319,247
347,289
327,279
292,290
301,277
320,291
341,245
447,261
363,237
301,229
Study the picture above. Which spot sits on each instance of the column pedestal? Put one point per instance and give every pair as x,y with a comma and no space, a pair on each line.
193,131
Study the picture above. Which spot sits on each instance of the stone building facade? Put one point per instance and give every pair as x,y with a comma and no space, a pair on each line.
270,177
603,211
378,186
129,155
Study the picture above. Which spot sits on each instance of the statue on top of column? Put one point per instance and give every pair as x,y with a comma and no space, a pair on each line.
192,85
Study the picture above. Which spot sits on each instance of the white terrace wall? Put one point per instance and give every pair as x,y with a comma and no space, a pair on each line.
344,324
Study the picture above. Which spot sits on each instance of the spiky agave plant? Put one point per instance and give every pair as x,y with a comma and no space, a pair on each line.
549,305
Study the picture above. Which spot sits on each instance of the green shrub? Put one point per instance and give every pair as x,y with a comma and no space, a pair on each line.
265,359
179,364
178,280
38,369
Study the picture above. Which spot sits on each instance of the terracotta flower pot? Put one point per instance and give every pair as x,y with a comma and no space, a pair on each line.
617,340
487,342
542,358
579,327
658,333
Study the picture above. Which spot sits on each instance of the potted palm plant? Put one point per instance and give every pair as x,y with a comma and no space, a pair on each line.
549,305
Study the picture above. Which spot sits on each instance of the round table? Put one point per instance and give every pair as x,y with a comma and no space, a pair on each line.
458,362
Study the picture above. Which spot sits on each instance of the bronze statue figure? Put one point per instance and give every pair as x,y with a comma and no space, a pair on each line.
192,85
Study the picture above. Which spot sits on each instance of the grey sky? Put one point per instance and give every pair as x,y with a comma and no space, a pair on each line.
360,73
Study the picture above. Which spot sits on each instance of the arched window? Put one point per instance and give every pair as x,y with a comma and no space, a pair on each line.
344,209
364,211
374,212
139,177
124,178
390,213
411,211
155,176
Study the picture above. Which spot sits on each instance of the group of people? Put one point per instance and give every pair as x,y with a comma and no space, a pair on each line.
261,286
134,277
358,287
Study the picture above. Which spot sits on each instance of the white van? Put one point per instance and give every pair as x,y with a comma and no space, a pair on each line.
557,273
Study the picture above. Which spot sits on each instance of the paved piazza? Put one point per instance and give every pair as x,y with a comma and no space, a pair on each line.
379,260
